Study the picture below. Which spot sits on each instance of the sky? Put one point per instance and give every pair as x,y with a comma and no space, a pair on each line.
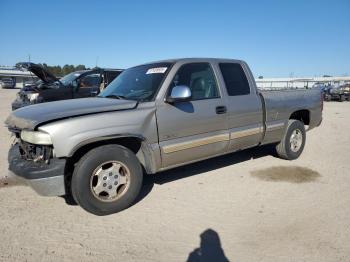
276,38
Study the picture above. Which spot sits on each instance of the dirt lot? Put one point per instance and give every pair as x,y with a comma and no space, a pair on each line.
248,206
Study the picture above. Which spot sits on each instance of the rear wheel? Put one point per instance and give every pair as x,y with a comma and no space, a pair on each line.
293,141
107,180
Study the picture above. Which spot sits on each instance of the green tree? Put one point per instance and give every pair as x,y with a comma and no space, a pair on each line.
59,71
80,67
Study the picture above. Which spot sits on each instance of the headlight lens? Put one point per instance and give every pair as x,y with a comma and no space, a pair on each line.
36,137
33,97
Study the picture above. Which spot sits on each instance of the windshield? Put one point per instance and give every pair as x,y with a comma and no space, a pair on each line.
67,79
139,83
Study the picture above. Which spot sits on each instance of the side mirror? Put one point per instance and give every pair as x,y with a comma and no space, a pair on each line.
179,94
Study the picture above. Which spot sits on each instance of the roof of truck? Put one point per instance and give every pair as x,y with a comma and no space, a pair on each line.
195,59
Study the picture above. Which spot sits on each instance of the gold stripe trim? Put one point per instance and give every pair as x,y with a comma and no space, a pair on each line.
195,143
246,132
271,127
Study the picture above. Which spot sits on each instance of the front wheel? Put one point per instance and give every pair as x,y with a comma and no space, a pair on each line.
293,141
107,180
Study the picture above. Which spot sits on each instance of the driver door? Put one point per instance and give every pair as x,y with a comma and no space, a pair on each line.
196,129
58,93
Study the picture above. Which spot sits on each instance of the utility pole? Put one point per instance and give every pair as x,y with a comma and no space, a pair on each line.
96,61
29,58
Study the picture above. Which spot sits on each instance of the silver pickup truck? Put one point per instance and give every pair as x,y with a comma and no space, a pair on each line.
151,118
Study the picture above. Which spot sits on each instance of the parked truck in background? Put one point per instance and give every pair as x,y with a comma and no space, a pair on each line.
346,89
153,117
339,93
83,83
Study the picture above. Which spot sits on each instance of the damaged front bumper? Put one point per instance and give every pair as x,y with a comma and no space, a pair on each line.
47,179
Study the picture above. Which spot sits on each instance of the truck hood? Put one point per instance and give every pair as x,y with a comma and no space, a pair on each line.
30,117
38,70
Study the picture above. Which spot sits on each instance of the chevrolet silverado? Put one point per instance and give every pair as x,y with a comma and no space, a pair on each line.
151,118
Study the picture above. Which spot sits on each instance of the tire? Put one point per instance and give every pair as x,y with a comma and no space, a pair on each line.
288,150
112,168
341,98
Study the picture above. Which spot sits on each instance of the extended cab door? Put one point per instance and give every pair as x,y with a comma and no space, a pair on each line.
196,129
244,106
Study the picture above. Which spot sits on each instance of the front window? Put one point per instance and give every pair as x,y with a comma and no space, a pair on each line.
139,83
200,78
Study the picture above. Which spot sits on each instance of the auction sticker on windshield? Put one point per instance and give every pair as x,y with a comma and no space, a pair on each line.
156,70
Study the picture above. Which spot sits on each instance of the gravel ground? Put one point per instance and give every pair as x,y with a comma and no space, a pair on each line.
248,206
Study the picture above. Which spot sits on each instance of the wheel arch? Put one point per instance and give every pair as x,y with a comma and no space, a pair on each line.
302,115
136,143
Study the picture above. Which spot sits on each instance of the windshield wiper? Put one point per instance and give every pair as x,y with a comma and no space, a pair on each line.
115,96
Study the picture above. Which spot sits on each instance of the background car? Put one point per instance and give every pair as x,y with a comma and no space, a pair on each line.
7,83
324,89
346,91
79,84
336,93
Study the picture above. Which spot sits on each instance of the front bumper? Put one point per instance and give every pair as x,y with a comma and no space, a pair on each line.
45,179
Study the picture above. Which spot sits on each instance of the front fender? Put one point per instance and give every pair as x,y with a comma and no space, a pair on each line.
103,139
68,135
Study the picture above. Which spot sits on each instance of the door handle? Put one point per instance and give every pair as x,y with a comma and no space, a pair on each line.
221,110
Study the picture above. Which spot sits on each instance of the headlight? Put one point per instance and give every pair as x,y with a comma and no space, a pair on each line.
33,96
36,137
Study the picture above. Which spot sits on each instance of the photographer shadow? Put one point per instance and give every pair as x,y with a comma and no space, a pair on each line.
210,249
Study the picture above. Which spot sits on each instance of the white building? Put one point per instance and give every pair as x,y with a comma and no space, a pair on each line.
295,82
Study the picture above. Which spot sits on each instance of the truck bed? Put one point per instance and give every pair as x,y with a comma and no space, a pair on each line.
281,104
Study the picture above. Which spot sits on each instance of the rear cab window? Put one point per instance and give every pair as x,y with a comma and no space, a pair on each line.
235,79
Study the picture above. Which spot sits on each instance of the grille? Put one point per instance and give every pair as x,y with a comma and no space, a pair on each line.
36,153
